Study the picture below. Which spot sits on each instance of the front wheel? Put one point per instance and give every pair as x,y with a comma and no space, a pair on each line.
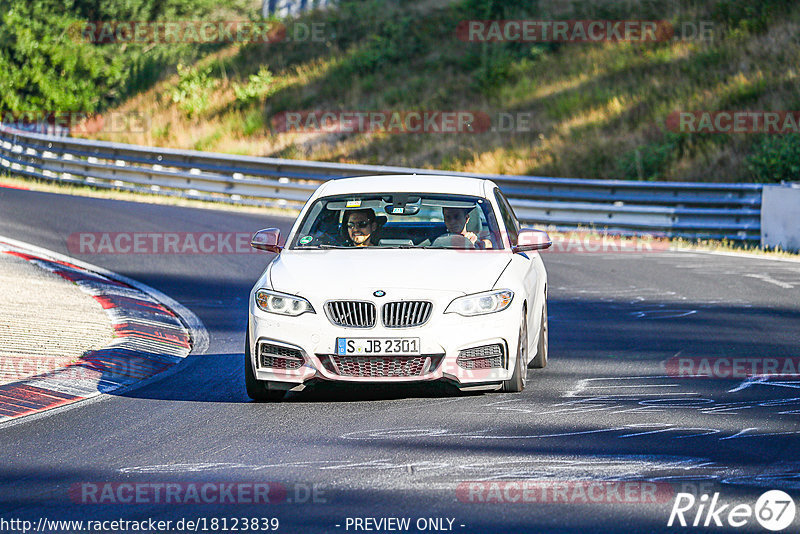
258,390
540,360
516,383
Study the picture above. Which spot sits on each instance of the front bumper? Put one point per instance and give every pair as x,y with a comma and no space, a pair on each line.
442,339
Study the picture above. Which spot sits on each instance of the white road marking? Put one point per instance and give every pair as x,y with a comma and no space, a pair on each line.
662,314
767,278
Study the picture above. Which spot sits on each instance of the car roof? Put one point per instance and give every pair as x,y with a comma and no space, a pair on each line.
402,183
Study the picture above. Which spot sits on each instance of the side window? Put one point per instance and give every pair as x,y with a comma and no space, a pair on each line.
509,219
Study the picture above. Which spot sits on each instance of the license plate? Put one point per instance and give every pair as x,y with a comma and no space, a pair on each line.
381,346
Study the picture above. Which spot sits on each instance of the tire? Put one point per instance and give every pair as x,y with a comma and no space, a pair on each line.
540,360
258,390
516,383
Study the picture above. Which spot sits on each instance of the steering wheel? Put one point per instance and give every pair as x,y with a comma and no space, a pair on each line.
324,239
451,240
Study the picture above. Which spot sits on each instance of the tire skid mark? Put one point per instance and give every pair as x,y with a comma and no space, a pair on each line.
447,474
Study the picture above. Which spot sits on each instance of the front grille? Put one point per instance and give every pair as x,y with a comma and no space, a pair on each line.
279,357
406,313
484,357
381,366
351,313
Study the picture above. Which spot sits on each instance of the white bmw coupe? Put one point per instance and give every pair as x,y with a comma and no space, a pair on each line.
399,279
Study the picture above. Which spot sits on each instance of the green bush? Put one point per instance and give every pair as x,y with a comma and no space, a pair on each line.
649,161
395,41
259,85
192,92
492,64
776,158
41,70
253,123
46,65
749,15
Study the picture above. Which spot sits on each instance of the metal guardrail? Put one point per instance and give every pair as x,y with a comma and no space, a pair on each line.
42,127
672,209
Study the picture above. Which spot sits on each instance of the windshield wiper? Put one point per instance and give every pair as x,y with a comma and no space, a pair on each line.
431,247
326,246
318,247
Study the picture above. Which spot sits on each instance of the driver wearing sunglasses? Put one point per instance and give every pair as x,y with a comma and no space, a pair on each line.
360,226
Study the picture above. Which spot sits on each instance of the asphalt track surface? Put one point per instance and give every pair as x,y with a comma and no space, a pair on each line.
605,409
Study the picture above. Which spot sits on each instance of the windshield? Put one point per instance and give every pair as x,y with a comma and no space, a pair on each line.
399,220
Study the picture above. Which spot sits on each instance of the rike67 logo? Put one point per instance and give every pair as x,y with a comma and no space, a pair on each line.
774,510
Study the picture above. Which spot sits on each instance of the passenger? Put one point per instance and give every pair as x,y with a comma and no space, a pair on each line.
360,226
456,219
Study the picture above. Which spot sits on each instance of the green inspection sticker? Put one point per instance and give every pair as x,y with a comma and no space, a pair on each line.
306,240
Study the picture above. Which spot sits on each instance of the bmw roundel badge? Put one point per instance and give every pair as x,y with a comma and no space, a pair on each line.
379,293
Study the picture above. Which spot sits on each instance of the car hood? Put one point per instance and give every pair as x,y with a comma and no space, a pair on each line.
336,273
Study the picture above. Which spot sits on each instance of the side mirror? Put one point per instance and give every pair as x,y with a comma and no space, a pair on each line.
267,240
530,239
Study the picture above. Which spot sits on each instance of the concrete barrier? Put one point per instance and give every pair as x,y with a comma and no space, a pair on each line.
780,216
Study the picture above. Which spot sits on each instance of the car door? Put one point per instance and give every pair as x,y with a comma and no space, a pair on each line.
526,266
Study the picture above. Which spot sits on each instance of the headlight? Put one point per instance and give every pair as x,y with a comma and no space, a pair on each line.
481,303
281,303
